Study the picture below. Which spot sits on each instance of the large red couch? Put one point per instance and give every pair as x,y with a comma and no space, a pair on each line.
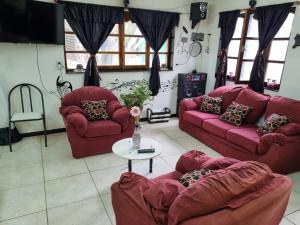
279,150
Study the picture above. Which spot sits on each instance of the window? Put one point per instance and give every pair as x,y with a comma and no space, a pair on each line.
124,49
244,46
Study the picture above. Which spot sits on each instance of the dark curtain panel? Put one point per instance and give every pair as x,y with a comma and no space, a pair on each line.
156,27
227,23
92,24
270,19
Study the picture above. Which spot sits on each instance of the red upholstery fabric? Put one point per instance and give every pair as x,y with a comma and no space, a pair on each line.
192,160
162,193
231,187
220,163
253,99
221,128
284,107
289,129
229,94
246,137
243,193
197,117
198,101
102,128
91,138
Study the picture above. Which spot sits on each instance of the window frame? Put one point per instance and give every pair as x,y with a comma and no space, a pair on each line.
122,67
244,37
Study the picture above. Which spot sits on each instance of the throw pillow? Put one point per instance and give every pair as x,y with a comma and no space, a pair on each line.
96,110
191,178
211,104
272,123
236,114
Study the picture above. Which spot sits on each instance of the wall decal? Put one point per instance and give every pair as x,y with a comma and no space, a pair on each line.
119,87
297,41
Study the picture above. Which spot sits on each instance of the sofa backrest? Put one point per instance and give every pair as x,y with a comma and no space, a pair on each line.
284,107
228,92
88,94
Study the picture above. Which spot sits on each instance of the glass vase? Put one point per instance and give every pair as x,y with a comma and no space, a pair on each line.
136,137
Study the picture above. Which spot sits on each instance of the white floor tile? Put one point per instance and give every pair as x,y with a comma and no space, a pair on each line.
294,203
18,177
190,143
154,134
296,181
170,147
55,169
39,218
284,221
86,212
104,161
20,158
174,132
69,190
106,199
295,217
22,201
171,160
26,143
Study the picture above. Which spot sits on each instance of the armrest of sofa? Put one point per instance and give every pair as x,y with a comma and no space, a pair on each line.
192,160
112,106
267,140
67,110
122,117
79,122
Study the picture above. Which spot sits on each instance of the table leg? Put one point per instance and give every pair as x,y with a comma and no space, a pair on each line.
129,166
151,165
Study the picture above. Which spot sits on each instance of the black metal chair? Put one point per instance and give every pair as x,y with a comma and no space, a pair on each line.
25,116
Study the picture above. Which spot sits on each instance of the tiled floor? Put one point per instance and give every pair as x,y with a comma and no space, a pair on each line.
46,186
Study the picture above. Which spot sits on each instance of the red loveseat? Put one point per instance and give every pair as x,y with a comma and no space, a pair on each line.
89,138
236,193
279,150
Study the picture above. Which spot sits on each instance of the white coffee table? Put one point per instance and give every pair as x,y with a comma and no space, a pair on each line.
124,149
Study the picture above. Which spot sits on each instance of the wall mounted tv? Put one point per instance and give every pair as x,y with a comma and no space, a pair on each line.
26,21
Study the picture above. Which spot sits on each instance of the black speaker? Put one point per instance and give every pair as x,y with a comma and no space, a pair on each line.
198,12
190,86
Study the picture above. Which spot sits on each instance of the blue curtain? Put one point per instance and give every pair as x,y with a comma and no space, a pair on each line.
270,19
92,24
156,27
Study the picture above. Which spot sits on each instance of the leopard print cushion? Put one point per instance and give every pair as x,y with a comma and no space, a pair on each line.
96,110
191,178
236,113
272,123
211,104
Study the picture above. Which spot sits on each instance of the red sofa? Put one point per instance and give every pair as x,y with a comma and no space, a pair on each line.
89,138
236,193
280,150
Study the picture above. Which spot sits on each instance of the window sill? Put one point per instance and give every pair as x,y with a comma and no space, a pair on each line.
117,70
276,89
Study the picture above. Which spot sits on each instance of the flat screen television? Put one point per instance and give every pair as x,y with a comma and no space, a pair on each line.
26,21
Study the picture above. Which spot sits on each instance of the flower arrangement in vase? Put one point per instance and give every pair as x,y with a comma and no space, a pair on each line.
135,112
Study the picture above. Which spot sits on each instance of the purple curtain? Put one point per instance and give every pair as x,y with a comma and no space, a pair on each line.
270,19
227,23
92,24
156,27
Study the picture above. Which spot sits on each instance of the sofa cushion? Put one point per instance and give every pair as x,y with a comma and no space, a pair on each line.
284,106
246,138
236,113
96,110
162,193
192,177
229,94
220,128
218,163
232,188
255,100
102,128
211,104
289,129
273,122
197,117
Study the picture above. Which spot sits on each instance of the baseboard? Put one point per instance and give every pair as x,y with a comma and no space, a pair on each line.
60,130
38,133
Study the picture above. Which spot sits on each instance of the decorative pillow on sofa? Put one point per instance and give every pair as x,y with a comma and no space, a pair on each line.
236,114
272,123
191,178
96,110
211,104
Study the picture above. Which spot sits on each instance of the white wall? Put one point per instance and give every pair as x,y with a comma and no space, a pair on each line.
291,76
18,64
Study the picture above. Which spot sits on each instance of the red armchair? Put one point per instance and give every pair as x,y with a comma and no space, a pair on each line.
237,193
89,138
